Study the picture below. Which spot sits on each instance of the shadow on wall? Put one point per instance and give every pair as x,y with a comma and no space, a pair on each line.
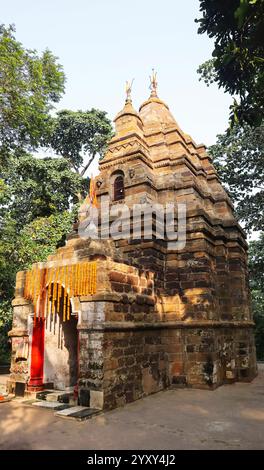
70,335
61,347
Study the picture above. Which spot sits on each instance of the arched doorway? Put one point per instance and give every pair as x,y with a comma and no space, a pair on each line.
117,186
61,341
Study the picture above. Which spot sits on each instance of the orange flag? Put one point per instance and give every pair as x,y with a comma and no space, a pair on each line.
92,193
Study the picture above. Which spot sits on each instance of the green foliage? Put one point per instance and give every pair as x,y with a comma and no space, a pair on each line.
79,136
41,237
38,187
37,210
256,264
38,196
256,269
5,326
239,157
33,243
29,85
237,27
207,72
8,258
258,315
19,250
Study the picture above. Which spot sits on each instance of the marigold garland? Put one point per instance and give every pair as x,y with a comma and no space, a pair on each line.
50,289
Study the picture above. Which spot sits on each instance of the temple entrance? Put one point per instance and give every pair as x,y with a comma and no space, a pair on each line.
61,341
37,356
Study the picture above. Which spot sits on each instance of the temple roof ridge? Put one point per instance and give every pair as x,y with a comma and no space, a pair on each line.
128,109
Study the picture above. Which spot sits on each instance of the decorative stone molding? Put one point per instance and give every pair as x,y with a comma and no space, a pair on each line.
131,172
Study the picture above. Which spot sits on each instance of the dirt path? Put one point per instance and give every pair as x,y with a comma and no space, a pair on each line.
231,417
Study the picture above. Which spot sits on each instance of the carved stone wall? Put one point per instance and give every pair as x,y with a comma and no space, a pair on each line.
160,317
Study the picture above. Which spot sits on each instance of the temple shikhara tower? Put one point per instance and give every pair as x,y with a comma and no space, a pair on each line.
120,317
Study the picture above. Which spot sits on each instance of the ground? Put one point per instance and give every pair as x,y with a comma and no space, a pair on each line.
231,417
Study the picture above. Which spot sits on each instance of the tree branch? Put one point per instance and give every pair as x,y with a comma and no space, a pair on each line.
87,166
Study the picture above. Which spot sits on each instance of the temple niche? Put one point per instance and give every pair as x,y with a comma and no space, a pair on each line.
119,318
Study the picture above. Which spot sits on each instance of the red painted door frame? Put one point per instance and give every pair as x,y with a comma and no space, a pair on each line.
37,356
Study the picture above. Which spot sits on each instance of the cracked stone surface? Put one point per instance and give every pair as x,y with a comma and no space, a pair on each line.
231,417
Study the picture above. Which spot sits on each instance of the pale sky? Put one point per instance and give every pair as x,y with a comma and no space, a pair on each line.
103,43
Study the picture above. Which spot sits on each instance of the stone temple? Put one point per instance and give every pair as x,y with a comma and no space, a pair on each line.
123,317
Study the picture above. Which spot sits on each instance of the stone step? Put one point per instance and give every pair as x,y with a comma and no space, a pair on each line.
40,395
61,396
29,401
43,394
52,405
64,410
78,413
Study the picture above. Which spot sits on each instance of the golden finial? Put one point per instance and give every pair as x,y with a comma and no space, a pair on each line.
153,83
128,90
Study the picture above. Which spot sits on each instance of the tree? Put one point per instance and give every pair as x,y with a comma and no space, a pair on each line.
79,136
6,313
39,197
237,27
256,269
42,237
29,85
256,264
38,208
38,202
258,315
18,250
239,157
8,237
36,194
38,187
